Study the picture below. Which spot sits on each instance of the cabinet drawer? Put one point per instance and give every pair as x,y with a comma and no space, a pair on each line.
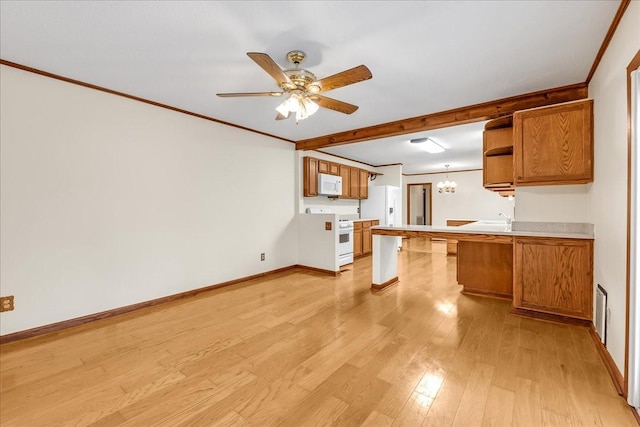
357,225
366,225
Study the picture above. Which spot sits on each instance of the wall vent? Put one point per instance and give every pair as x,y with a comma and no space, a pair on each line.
601,314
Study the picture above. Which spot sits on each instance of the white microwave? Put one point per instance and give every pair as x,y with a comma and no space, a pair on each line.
329,185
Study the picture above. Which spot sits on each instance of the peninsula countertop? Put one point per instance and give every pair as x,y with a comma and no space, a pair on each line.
493,230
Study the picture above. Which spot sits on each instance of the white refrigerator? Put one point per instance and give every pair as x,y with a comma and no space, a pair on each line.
385,204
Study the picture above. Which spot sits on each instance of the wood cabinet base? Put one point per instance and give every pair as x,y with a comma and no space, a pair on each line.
554,276
486,268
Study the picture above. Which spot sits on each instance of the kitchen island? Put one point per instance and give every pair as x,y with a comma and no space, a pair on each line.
552,263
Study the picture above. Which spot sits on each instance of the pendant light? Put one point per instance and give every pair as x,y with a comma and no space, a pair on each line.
447,186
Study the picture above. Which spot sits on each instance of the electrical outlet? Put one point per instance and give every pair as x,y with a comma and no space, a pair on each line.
6,303
262,256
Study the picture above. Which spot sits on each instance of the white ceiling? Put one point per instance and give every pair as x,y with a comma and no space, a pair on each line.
425,57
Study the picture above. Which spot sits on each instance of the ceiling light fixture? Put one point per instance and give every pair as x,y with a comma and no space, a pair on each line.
447,186
298,103
429,145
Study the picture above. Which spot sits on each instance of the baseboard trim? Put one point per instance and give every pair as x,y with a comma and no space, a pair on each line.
317,270
549,317
378,287
635,413
66,324
485,293
614,372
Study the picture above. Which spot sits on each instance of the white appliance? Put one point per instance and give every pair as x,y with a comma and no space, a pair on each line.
329,185
384,203
345,242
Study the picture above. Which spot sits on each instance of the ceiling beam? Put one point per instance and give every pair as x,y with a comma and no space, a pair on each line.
458,116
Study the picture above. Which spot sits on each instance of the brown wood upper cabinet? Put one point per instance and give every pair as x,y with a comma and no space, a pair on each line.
355,181
310,176
553,275
325,166
354,187
541,146
364,184
345,173
554,145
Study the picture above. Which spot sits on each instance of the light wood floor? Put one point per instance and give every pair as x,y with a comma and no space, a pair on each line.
299,349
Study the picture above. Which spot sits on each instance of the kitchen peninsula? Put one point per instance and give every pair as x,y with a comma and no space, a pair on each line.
546,268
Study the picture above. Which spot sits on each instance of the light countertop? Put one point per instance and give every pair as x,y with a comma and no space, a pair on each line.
499,228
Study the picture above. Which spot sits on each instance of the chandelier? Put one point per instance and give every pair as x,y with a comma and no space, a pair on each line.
447,186
298,103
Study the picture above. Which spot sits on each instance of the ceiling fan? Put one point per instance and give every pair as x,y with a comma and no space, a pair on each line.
302,86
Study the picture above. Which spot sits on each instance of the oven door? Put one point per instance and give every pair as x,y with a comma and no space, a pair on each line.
345,246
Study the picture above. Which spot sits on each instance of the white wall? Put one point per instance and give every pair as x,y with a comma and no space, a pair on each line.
391,175
107,202
553,203
470,201
608,194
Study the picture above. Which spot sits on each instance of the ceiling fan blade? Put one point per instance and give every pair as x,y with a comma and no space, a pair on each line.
345,78
270,66
334,104
282,117
230,95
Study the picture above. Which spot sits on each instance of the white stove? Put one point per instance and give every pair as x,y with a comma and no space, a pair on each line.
345,242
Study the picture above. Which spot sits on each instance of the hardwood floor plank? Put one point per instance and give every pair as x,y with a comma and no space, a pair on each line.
326,414
473,400
527,409
376,419
498,411
230,419
507,368
302,348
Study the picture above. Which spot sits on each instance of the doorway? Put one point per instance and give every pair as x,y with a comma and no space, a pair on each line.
419,204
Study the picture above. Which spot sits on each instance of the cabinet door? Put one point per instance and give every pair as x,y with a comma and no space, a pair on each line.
354,189
323,166
357,242
334,168
310,177
366,237
363,185
554,145
554,276
345,173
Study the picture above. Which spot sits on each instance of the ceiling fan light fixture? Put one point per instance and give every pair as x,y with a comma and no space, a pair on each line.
283,109
428,144
298,103
310,106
